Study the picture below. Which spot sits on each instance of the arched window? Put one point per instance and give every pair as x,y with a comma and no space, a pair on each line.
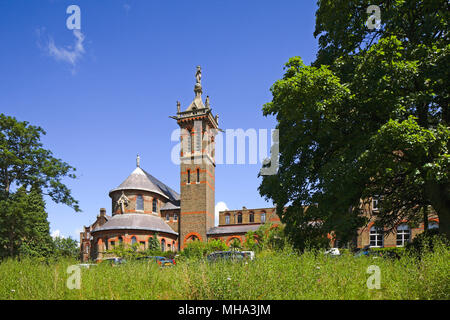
198,175
251,217
433,225
140,203
133,240
227,219
188,176
376,237
155,205
163,245
263,217
403,235
239,218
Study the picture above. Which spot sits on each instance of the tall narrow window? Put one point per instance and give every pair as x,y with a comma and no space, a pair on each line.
188,143
227,219
167,217
163,245
198,141
239,218
263,217
198,175
133,240
189,176
139,203
155,205
251,217
106,244
175,217
403,235
120,240
376,237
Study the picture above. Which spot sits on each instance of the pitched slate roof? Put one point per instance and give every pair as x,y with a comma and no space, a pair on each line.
142,180
136,221
170,206
233,229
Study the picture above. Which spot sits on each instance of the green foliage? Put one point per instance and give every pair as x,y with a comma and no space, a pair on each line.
280,275
25,163
66,248
426,241
369,117
235,244
251,241
24,228
198,249
153,243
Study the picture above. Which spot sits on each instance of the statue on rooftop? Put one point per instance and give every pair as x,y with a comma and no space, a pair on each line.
198,75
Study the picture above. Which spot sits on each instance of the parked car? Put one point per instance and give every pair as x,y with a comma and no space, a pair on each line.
225,255
249,254
333,252
162,261
114,261
367,252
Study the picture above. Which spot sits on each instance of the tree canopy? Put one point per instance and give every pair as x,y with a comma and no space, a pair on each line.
369,117
25,163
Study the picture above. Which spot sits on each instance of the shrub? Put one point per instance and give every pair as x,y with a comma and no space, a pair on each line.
426,241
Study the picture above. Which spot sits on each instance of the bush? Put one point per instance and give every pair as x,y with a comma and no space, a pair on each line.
426,241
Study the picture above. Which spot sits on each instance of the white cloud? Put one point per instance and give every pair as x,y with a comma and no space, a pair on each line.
220,206
57,234
69,54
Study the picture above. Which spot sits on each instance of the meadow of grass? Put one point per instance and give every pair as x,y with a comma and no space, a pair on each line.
272,275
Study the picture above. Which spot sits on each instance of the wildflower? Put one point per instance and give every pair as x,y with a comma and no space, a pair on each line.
12,290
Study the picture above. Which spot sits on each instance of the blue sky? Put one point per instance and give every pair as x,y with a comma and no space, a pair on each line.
110,97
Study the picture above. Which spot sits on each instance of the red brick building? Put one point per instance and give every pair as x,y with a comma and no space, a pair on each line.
143,207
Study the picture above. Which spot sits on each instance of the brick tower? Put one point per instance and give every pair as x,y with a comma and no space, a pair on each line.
197,167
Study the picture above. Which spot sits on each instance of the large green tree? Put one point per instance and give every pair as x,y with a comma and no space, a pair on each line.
369,117
27,173
24,229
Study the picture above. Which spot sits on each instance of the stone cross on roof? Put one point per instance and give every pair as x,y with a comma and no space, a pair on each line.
138,161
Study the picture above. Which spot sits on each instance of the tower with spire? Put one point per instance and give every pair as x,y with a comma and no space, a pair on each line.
197,166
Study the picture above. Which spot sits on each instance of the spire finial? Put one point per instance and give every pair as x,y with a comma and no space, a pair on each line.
178,106
138,161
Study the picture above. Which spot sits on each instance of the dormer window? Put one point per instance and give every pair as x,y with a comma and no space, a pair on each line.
139,203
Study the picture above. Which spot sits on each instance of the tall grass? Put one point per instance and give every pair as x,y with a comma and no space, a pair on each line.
272,275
